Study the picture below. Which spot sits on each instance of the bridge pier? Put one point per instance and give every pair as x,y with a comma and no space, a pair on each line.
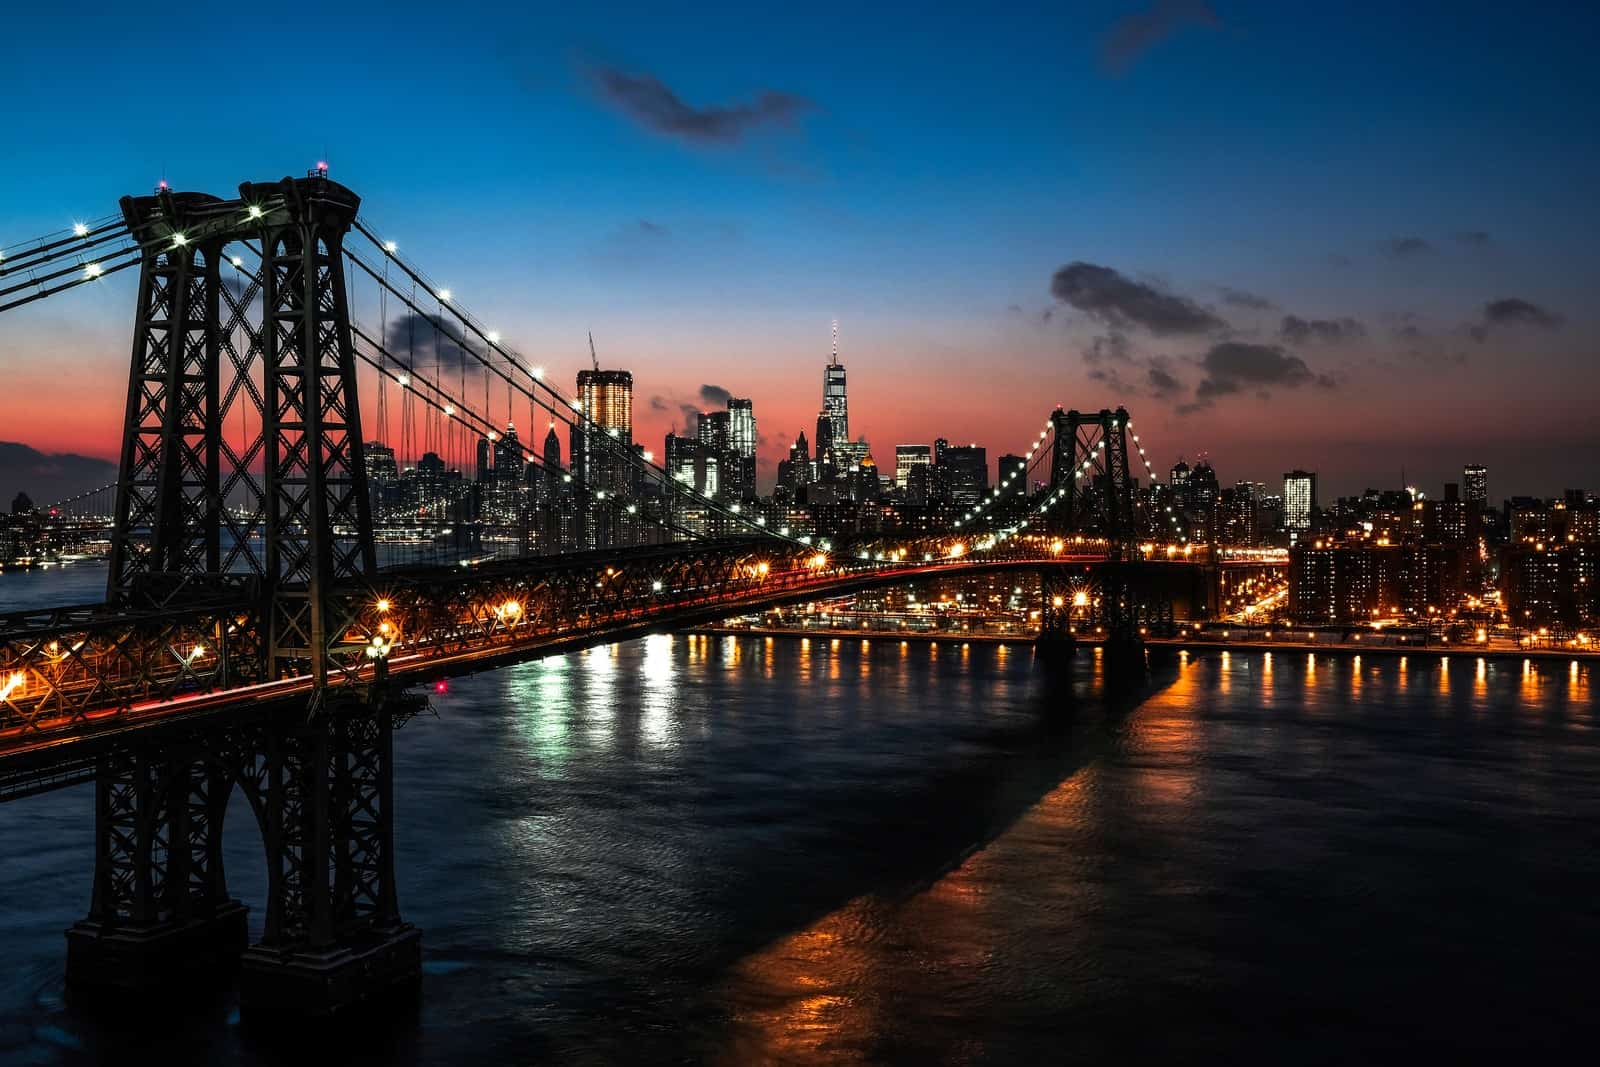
334,938
160,910
321,787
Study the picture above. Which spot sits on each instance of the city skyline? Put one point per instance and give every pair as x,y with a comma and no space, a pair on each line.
1276,280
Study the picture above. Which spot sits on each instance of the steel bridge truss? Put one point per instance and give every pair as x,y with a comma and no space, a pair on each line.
321,791
189,507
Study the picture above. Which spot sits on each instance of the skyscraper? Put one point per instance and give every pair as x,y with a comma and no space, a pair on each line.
742,441
906,457
833,424
605,402
1475,486
602,446
969,473
1299,500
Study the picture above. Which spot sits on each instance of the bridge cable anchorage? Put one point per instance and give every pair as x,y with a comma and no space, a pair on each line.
559,406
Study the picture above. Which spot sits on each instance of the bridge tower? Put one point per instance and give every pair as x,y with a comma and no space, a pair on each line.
290,550
1089,463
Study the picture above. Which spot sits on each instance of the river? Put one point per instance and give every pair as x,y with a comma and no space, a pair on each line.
743,850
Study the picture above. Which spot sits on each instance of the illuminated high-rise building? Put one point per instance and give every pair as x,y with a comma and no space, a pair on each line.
833,423
601,447
906,457
605,407
969,473
1299,500
742,444
1475,486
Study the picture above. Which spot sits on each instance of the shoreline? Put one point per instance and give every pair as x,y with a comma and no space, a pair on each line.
1177,643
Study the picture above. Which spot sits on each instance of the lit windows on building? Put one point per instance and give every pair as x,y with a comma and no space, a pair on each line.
1299,500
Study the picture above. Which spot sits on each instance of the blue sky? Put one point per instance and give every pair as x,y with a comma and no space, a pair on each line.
922,177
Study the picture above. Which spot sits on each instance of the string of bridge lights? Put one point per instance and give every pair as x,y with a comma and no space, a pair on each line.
1172,518
110,228
492,338
983,505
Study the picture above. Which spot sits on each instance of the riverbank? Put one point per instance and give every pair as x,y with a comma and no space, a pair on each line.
1191,643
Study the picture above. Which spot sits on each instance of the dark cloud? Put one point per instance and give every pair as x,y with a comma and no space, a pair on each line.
1474,238
651,103
432,343
1112,348
714,395
1239,298
1160,380
1404,247
1514,311
1136,33
1120,302
1233,366
1296,330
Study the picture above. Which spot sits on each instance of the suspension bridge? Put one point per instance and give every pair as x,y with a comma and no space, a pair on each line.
268,611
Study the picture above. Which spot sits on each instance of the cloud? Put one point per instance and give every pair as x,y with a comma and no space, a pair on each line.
1514,311
714,395
1233,366
1296,330
1160,380
1120,302
1134,34
1112,348
648,101
432,344
1239,298
1404,247
1473,238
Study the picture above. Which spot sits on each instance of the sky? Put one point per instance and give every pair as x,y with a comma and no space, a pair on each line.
1358,239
